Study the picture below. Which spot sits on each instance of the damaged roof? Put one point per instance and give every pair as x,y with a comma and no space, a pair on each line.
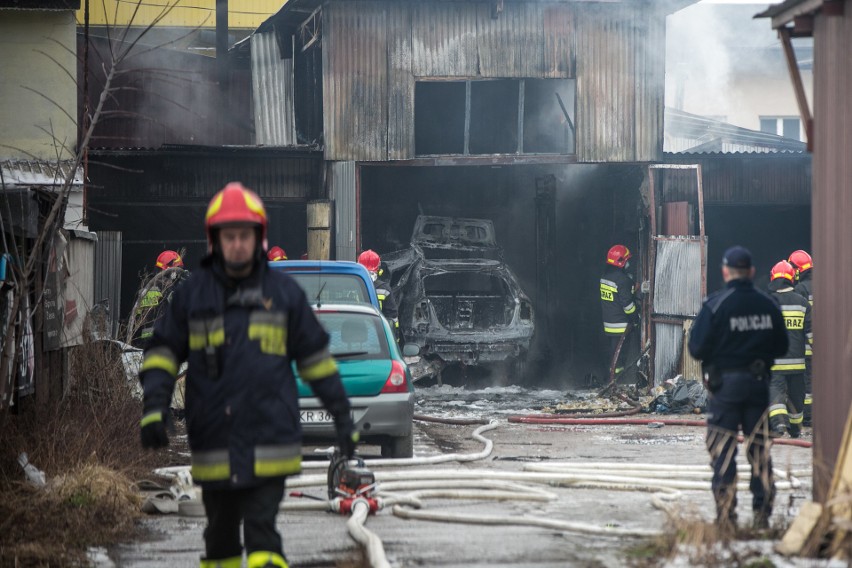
32,173
687,133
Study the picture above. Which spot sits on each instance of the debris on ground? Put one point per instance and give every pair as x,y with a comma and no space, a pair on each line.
679,396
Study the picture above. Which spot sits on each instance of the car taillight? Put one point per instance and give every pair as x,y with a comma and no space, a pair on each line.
396,380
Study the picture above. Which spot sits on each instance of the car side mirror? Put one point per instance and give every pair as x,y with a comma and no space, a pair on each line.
411,350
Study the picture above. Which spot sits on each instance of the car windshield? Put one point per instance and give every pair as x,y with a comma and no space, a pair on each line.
332,288
355,335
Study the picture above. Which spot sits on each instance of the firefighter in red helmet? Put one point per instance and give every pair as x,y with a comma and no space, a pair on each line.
619,310
158,288
370,260
240,326
276,253
804,265
787,387
169,259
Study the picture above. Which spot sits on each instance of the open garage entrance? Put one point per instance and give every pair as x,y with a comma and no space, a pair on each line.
554,223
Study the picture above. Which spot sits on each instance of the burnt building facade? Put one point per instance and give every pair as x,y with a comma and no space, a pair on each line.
541,116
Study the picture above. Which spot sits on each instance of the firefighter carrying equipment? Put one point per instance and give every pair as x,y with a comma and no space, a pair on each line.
169,259
240,339
617,302
370,260
234,205
618,255
276,253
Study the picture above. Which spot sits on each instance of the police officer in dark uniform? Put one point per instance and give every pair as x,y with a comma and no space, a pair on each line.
737,336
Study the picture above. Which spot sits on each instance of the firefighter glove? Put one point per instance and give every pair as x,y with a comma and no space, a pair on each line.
154,435
347,435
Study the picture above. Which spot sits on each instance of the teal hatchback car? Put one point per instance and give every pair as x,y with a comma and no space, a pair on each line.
375,377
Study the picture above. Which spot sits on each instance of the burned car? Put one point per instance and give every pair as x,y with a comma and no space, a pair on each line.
458,301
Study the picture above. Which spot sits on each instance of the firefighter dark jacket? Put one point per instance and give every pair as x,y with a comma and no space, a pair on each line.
239,340
797,319
805,286
617,303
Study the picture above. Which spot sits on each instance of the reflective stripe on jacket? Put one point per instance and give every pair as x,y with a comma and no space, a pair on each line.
796,311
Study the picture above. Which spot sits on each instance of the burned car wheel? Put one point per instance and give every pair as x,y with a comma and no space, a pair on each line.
398,447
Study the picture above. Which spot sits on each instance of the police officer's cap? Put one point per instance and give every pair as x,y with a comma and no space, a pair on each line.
737,257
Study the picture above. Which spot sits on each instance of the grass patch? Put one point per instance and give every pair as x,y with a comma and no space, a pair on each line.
88,446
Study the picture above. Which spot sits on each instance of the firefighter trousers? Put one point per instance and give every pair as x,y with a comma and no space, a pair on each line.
741,401
808,392
787,403
254,507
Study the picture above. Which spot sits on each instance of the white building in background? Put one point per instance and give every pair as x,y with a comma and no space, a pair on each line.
723,64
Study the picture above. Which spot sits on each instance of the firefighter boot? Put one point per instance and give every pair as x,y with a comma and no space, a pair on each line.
778,426
266,559
233,562
726,511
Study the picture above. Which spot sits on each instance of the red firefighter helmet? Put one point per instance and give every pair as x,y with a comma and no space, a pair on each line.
169,259
235,204
801,260
276,253
370,259
618,255
783,270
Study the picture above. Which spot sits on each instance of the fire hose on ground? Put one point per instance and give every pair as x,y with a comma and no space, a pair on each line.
357,491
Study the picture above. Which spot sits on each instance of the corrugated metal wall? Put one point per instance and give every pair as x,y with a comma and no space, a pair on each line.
620,70
374,51
272,92
400,84
355,86
832,235
270,175
107,271
677,283
341,189
677,296
737,179
443,40
79,290
668,350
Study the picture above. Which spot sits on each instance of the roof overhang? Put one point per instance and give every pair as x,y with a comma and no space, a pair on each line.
799,13
39,173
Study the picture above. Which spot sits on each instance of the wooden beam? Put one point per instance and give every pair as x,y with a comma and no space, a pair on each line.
798,87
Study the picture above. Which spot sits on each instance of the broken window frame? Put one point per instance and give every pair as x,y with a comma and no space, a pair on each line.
519,150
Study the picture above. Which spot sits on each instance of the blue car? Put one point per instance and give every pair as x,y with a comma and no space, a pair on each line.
331,281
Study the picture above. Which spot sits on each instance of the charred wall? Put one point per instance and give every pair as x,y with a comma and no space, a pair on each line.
374,53
158,200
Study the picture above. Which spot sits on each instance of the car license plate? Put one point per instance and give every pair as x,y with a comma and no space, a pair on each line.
315,417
